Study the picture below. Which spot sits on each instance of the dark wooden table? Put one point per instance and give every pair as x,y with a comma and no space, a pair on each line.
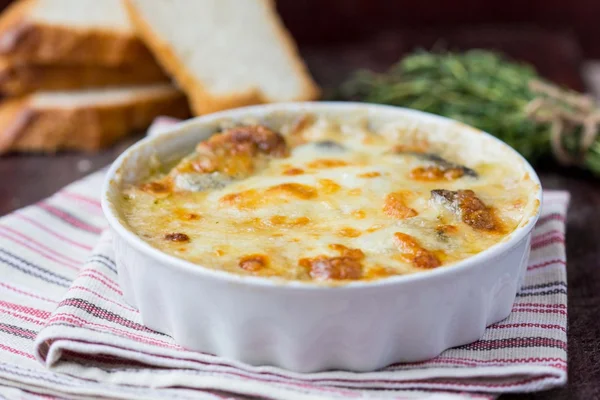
26,179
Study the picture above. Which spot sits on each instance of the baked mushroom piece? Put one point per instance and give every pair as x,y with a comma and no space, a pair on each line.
233,154
469,208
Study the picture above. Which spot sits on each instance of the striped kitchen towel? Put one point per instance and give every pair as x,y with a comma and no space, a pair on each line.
65,331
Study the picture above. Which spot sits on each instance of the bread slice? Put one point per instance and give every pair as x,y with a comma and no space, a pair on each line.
84,120
224,53
70,31
18,78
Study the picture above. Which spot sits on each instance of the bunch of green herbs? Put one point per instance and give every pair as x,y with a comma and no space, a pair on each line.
477,87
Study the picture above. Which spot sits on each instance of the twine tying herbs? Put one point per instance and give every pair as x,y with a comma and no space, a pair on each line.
566,112
485,90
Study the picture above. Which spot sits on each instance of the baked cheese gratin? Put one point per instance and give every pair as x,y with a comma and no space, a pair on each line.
318,200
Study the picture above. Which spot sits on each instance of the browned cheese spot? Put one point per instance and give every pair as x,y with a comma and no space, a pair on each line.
412,252
247,139
349,232
435,173
394,206
238,165
475,213
186,215
329,186
294,189
347,252
247,199
347,266
177,237
359,214
282,220
158,187
327,163
378,272
421,146
373,174
293,171
251,198
254,262
374,228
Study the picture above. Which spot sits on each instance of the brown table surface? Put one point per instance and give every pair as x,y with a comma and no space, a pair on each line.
26,179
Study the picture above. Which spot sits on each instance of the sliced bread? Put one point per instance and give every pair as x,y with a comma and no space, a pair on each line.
84,120
70,31
224,53
17,78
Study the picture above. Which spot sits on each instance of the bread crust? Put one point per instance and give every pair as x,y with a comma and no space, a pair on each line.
201,101
27,128
34,41
311,89
18,78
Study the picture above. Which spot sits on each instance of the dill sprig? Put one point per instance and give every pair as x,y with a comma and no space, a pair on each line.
480,88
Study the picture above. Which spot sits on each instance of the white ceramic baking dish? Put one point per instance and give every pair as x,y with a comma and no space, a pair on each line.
300,326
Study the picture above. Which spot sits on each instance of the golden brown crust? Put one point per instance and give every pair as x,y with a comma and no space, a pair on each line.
18,78
247,139
201,101
394,206
436,173
14,117
347,266
177,237
235,153
411,251
254,262
36,42
29,129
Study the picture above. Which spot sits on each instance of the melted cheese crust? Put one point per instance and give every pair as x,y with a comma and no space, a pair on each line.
342,204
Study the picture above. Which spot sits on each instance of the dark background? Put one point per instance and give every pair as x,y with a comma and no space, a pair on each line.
318,21
338,36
